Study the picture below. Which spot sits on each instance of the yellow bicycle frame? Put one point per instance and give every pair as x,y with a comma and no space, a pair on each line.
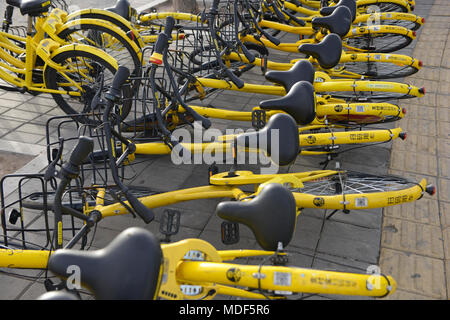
323,111
323,83
397,59
214,273
45,48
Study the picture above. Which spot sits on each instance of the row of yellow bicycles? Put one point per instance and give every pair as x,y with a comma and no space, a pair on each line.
152,95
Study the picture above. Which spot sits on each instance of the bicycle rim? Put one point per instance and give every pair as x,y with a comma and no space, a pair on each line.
107,40
84,69
385,7
378,70
377,42
411,25
354,183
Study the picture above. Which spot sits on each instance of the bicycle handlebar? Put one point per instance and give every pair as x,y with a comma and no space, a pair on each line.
120,78
70,170
269,37
170,24
162,42
141,210
78,154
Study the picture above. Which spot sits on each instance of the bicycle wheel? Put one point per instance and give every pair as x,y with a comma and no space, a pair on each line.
381,42
386,6
110,41
411,25
76,199
349,182
84,69
375,70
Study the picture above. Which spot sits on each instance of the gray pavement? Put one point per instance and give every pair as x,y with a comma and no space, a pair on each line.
346,242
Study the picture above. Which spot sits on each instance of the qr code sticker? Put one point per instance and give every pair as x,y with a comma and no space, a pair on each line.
282,279
361,202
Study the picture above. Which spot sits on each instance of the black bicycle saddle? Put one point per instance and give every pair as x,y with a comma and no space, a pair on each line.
284,129
299,102
271,215
327,53
14,3
34,8
127,268
350,4
339,22
122,8
302,70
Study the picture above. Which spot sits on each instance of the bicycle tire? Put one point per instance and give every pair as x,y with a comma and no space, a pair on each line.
69,104
407,24
121,50
380,42
351,182
384,7
378,70
124,25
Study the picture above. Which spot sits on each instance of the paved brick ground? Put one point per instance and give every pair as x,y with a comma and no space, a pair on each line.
415,237
345,242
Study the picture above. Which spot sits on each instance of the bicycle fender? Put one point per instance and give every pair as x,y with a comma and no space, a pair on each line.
111,17
105,24
48,56
52,24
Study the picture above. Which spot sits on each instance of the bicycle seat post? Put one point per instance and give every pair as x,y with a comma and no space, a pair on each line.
30,25
232,172
8,18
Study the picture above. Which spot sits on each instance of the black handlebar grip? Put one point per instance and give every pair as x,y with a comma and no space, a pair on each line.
297,3
121,76
142,211
278,12
170,23
235,79
295,19
206,123
161,43
81,151
250,56
271,38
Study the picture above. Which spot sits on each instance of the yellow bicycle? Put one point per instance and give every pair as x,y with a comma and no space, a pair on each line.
42,62
320,189
191,269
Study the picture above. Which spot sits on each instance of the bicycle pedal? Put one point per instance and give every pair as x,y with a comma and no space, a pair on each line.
55,152
50,286
258,119
229,232
212,170
170,223
14,215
